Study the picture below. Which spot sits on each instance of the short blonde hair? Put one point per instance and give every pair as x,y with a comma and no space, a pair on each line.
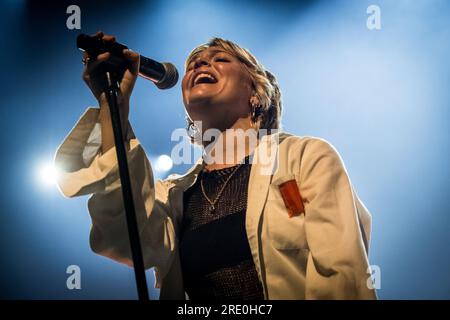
268,113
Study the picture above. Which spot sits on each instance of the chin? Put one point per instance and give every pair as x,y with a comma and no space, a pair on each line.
203,100
205,94
199,101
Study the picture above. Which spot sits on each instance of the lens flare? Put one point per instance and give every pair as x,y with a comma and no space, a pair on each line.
163,163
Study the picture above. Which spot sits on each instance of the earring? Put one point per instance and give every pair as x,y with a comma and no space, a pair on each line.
254,102
253,117
191,129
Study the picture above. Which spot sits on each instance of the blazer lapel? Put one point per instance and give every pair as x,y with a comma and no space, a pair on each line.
258,186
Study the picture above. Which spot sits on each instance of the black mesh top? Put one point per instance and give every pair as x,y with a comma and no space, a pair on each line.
215,254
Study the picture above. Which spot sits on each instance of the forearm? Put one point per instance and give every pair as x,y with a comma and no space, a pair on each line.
109,234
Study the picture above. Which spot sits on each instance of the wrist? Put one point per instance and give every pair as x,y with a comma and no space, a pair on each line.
104,118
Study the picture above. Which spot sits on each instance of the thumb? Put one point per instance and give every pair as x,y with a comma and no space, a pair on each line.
133,59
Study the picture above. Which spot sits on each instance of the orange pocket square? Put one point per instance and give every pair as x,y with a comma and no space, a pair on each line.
292,198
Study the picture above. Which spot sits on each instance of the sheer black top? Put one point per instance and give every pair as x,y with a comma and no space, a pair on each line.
215,255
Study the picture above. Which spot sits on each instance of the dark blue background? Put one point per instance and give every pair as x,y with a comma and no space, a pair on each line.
380,97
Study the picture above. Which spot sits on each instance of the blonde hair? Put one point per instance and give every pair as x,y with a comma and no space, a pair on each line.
268,113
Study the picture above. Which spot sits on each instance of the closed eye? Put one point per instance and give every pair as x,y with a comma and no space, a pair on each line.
222,60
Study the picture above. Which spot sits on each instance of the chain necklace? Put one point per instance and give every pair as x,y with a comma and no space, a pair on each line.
212,209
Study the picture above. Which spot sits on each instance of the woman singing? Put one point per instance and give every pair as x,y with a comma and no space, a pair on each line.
242,228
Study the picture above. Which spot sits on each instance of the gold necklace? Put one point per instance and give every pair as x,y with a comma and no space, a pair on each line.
212,209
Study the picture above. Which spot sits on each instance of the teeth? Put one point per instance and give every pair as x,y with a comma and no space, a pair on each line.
202,75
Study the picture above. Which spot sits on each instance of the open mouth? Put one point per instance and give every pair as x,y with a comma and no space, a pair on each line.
204,77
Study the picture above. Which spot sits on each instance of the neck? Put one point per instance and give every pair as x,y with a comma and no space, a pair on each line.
231,146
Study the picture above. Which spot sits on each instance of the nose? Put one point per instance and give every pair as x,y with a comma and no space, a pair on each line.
201,61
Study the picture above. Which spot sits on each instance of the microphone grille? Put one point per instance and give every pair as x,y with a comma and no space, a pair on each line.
170,78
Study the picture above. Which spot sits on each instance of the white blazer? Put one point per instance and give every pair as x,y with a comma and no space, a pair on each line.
321,254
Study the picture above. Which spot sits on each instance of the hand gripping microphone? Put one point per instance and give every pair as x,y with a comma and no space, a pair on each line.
164,74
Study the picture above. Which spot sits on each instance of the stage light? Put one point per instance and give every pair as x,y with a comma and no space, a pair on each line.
47,174
163,163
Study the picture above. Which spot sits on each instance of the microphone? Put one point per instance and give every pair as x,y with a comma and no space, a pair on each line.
164,74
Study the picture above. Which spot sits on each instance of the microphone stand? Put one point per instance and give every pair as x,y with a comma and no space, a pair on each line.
112,90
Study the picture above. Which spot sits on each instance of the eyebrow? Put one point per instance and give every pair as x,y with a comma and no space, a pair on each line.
213,52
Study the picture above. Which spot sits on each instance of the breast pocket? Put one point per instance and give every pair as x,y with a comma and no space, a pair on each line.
284,232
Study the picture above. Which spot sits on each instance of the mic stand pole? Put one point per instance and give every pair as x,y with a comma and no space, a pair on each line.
112,91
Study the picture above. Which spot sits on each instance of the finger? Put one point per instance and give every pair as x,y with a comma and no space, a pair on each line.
98,34
127,84
87,59
133,59
86,56
109,38
92,64
103,56
130,55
